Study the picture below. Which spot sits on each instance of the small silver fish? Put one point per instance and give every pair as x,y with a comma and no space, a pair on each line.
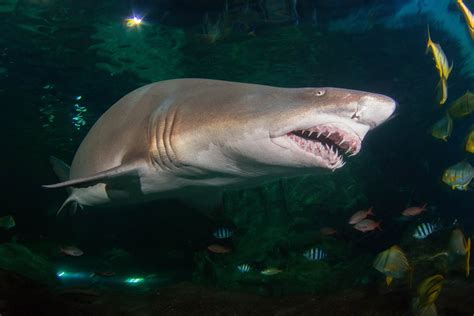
315,254
424,230
71,251
244,268
223,233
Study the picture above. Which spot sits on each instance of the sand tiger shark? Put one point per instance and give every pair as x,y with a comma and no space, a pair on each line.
193,138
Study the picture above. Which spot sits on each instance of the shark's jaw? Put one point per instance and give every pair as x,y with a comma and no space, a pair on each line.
327,143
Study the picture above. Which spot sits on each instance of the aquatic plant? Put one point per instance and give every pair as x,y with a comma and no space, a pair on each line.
7,6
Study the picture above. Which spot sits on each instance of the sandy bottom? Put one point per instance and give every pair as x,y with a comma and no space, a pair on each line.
20,296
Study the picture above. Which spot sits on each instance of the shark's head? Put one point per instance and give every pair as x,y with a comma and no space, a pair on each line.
267,131
329,124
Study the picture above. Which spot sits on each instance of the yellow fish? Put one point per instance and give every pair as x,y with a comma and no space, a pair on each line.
458,176
470,142
393,263
468,16
462,106
441,61
459,246
442,65
442,129
428,291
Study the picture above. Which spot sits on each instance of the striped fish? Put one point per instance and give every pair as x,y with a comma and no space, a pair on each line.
244,268
223,233
424,230
315,254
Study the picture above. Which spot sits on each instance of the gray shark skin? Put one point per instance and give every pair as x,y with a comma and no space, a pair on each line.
193,138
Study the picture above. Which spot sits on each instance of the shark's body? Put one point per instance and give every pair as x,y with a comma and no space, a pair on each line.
190,138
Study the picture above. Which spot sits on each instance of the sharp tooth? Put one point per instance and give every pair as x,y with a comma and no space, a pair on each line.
319,133
330,133
310,132
343,141
348,150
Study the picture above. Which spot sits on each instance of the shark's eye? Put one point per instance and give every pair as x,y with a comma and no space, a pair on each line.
320,92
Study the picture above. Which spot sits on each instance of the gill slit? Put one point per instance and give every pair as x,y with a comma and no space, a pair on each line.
154,132
169,128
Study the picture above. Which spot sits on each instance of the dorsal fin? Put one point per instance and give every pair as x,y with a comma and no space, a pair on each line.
60,168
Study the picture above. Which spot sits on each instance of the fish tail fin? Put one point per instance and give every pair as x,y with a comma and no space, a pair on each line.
371,211
468,257
442,91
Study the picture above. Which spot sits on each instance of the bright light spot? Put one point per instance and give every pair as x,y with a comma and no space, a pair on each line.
78,97
134,280
72,275
133,21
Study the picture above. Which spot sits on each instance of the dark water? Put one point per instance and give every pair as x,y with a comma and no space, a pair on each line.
65,62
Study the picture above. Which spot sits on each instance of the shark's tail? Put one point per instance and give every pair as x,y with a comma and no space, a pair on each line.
61,169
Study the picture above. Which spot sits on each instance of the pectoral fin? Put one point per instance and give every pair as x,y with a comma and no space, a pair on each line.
100,177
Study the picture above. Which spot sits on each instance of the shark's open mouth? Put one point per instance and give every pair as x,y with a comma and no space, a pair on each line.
328,142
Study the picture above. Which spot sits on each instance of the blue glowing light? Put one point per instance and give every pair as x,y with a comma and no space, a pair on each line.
72,275
134,280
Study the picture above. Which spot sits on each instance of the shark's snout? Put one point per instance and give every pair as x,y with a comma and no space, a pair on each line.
374,109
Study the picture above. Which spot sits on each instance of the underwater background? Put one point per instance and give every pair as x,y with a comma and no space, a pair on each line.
64,63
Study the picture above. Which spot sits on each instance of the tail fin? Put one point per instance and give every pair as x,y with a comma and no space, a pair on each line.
370,212
442,91
61,169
